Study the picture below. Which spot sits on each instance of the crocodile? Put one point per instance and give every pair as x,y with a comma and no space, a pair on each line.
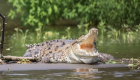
81,50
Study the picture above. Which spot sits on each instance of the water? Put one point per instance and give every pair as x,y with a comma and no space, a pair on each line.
76,74
118,50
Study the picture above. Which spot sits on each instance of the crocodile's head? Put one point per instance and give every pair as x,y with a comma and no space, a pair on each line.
85,48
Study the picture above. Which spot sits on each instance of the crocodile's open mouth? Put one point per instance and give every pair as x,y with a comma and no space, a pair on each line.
88,41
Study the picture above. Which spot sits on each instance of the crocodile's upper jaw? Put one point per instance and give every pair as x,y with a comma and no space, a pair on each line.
84,48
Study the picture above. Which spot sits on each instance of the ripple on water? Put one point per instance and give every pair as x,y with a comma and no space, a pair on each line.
96,77
118,74
17,74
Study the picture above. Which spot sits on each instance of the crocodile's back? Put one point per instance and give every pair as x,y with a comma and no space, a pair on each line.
51,49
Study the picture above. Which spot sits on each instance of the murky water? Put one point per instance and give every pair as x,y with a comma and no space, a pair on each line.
117,50
77,74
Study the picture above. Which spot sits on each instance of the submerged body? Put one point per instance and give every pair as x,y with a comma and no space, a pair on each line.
82,50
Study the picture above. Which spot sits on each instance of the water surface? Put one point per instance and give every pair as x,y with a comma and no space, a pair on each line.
75,74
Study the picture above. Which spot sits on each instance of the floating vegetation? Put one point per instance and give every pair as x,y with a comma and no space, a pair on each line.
111,61
24,61
132,65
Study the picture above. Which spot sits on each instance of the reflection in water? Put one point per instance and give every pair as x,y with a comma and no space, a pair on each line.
77,74
86,70
84,73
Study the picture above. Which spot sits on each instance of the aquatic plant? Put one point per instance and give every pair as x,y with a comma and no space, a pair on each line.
20,35
106,33
68,32
86,28
24,35
64,37
39,33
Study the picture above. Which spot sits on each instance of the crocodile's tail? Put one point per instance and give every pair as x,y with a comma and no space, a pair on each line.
105,57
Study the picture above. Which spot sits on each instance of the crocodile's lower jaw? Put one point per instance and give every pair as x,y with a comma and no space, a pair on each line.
92,59
82,56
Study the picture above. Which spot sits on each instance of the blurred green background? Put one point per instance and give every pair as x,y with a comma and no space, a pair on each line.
35,21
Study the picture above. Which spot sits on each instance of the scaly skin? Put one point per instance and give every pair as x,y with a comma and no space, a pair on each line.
82,50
